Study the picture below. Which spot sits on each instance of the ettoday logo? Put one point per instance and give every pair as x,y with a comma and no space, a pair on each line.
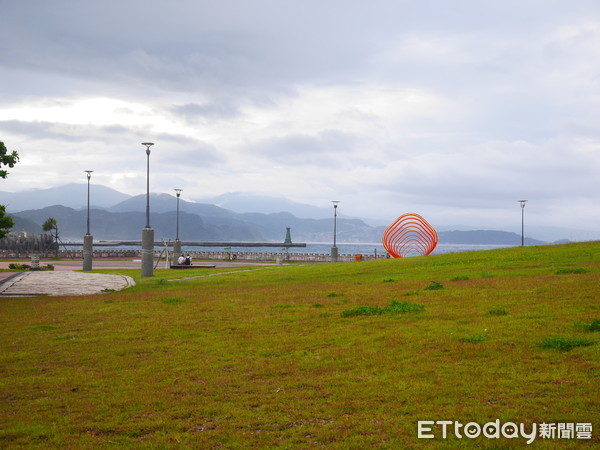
430,429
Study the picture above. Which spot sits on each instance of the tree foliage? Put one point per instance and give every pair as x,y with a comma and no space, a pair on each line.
6,159
6,222
51,226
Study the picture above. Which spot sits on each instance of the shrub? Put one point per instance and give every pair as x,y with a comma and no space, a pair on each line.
390,280
434,286
594,326
395,307
497,312
565,344
459,278
567,271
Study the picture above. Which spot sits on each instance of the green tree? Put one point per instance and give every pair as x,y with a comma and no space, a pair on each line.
6,159
51,226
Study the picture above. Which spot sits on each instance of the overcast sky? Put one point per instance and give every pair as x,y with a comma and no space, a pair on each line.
450,109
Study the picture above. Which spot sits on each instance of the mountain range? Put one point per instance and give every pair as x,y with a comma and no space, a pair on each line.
232,216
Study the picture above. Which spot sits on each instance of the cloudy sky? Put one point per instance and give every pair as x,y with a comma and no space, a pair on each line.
451,109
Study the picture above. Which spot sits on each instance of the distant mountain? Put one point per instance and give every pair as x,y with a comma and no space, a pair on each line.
243,202
26,225
234,215
484,237
166,202
106,225
71,195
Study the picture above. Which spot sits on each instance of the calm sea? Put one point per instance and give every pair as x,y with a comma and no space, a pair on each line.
345,249
316,248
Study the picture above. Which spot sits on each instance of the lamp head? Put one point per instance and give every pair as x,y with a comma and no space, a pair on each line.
178,192
89,173
148,145
335,203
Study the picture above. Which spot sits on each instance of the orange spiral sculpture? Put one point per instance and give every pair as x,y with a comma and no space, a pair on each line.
409,233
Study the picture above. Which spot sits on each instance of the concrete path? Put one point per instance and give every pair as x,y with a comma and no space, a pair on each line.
32,284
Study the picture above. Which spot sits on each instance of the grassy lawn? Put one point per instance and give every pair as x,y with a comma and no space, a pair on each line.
347,355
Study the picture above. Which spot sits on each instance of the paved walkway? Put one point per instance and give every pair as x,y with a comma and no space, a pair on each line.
32,284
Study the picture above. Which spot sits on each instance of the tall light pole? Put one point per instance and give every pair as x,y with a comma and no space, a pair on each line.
334,249
88,239
147,232
177,244
522,202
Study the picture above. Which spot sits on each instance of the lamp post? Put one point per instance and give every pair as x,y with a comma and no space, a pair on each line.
522,202
147,232
334,249
177,244
88,239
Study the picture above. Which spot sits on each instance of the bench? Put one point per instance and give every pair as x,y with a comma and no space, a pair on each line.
192,266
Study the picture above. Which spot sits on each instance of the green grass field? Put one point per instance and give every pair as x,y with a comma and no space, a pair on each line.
347,355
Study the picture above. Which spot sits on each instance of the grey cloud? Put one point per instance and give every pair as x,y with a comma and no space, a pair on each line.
218,109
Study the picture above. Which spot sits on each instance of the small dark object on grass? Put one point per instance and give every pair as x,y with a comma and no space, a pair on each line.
171,300
472,339
497,312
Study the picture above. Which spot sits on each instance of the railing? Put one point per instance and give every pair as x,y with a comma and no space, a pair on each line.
197,256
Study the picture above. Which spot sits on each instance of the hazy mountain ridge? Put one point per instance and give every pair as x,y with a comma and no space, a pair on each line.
124,219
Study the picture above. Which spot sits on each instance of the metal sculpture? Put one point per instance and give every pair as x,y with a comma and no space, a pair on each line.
409,234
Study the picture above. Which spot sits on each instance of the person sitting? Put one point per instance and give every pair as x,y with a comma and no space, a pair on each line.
181,260
188,260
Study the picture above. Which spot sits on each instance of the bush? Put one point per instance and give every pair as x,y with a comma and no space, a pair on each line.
566,271
434,286
497,312
395,307
565,344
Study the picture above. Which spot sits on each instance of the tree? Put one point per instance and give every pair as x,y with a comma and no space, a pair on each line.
6,159
51,226
6,222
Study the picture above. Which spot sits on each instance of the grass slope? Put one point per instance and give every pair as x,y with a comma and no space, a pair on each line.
348,355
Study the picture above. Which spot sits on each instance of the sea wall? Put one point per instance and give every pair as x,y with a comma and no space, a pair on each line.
197,256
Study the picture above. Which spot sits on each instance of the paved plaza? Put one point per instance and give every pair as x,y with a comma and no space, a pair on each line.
61,283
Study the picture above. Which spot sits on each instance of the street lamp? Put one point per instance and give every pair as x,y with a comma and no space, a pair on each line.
334,249
148,145
177,244
147,232
522,202
88,239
